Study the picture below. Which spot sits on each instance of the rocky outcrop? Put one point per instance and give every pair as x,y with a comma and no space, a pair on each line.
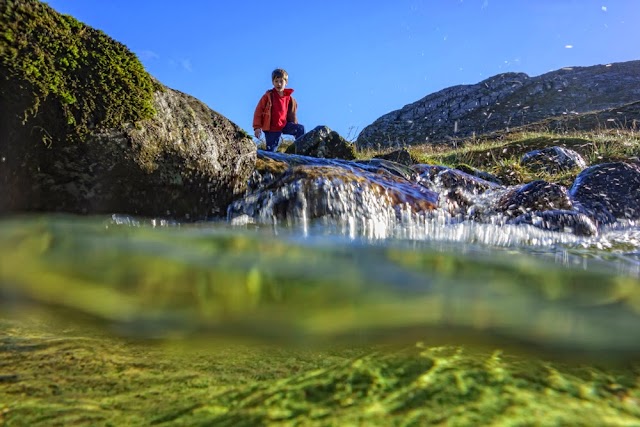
105,138
512,100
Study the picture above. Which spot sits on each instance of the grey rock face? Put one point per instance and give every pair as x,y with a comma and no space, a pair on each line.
506,101
553,160
187,162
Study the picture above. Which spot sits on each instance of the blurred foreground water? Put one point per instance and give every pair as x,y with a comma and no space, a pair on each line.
125,321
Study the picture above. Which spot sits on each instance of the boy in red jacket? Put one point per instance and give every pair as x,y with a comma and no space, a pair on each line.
276,112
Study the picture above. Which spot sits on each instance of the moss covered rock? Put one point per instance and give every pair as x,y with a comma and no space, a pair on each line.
61,78
84,128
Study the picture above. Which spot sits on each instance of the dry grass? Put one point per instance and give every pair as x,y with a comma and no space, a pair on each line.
500,154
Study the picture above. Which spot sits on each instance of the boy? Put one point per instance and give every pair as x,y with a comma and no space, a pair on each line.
276,112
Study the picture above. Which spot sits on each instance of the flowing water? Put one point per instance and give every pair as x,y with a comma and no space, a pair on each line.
362,317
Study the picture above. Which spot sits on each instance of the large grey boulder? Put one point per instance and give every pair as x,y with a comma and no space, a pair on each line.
85,129
186,162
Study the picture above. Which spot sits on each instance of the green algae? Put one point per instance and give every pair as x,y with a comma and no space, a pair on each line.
103,323
86,79
57,374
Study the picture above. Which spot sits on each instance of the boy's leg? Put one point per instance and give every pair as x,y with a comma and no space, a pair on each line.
272,138
295,129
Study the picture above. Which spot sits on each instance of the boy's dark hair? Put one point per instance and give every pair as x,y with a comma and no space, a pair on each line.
279,73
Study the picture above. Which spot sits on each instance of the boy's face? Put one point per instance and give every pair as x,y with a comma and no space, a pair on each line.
279,83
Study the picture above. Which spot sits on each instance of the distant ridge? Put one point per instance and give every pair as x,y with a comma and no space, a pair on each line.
557,99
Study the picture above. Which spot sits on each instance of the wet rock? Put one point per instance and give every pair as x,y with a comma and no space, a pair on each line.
563,221
398,169
324,143
267,171
428,173
534,196
447,179
453,178
608,191
479,173
321,188
553,160
460,190
295,188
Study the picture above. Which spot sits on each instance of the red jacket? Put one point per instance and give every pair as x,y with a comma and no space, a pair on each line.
262,115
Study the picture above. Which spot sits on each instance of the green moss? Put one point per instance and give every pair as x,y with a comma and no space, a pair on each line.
53,59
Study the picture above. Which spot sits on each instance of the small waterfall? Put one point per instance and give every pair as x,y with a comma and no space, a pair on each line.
375,201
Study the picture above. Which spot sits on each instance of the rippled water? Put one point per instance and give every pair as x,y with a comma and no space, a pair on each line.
515,286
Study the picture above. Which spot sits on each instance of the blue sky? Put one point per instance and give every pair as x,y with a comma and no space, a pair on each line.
352,61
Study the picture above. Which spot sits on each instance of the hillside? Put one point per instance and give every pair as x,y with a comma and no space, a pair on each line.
580,98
